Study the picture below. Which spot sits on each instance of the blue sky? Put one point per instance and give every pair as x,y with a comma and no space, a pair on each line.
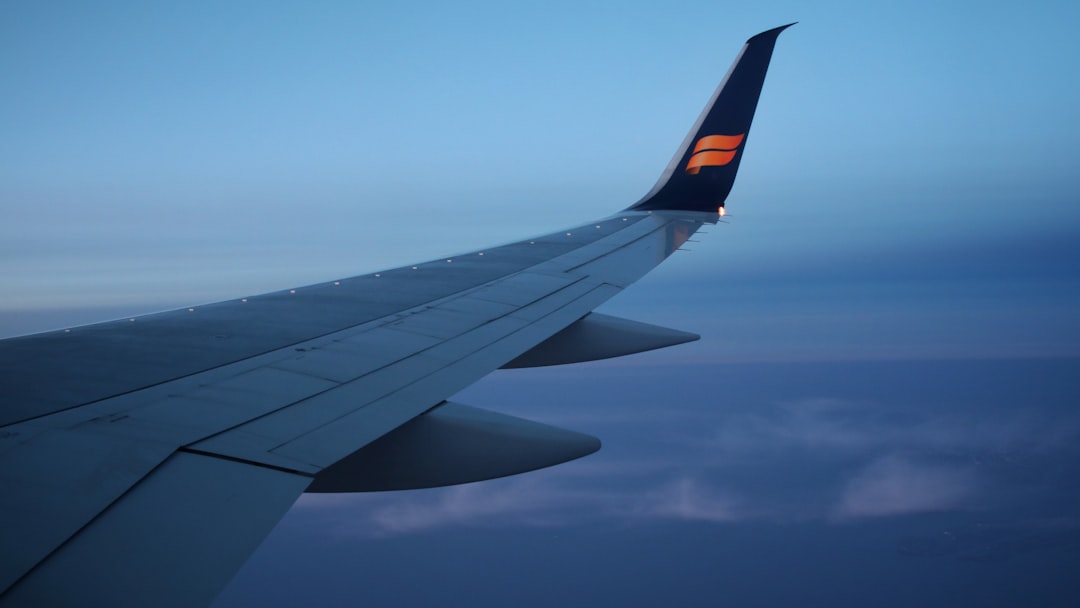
163,156
909,197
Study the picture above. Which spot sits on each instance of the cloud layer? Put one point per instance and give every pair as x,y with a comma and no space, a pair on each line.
774,448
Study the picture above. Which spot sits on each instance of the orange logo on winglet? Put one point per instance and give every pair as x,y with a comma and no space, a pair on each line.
714,151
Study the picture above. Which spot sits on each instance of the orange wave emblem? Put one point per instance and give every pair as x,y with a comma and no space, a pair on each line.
714,151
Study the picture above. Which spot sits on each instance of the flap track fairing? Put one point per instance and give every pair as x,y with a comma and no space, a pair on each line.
599,336
452,444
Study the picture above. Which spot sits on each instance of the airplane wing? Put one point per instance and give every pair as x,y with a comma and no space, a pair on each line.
144,459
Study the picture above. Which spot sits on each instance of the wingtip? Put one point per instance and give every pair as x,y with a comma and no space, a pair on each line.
716,139
773,33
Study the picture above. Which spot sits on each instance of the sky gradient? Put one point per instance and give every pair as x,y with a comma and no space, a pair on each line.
889,319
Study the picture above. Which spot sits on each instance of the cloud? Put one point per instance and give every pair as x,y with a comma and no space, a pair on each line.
529,500
896,486
810,423
826,426
520,502
687,499
750,457
535,500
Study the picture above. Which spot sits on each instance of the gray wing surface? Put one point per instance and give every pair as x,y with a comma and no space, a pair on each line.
144,459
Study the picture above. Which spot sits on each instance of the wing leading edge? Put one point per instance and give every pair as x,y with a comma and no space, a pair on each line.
144,460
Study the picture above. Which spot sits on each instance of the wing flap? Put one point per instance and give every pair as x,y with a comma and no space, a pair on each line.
57,483
175,539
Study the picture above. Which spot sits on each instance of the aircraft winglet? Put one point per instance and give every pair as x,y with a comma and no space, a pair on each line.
702,172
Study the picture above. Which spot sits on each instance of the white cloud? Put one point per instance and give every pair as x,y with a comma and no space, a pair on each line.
535,500
521,501
896,486
687,499
821,426
531,500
